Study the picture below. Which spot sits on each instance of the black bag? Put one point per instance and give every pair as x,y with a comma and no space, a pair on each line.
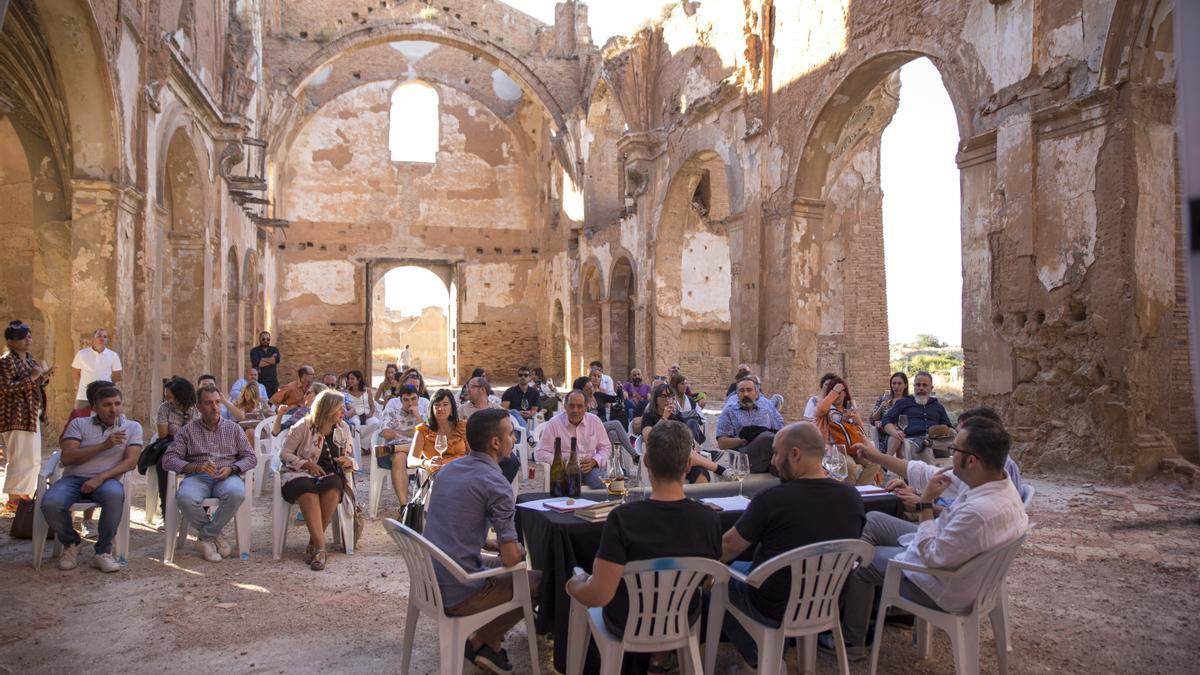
22,525
413,513
751,432
151,454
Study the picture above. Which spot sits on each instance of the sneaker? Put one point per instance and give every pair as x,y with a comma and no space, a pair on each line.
68,559
492,661
223,547
209,550
854,653
105,562
90,529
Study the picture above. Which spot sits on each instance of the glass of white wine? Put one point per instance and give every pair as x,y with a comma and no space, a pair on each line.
840,469
440,444
614,478
739,468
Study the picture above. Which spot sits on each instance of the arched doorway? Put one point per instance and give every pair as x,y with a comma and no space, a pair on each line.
591,323
233,333
620,319
411,306
922,244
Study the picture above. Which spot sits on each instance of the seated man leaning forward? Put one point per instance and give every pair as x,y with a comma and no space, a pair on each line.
481,498
593,446
96,452
668,524
213,454
399,427
921,410
748,424
808,507
986,515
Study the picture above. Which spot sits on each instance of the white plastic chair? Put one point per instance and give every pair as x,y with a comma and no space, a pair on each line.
51,471
424,595
522,449
962,628
1027,492
151,502
381,477
818,573
176,528
264,446
660,594
281,513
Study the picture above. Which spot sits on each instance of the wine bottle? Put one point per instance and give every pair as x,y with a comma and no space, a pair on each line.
558,472
574,473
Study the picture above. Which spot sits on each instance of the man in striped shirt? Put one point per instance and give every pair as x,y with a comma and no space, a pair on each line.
214,454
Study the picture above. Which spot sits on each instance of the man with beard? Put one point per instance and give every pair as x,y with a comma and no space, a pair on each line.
637,393
922,410
748,424
265,358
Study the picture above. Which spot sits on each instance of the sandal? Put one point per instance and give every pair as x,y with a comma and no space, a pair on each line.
309,552
318,561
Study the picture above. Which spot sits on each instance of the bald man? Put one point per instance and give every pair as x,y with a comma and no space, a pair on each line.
808,507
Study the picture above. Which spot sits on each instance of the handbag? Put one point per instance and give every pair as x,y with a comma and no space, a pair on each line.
22,525
151,454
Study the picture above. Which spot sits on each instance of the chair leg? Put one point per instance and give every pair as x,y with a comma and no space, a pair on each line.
577,638
451,645
531,634
923,632
375,493
611,657
770,654
1006,606
879,619
843,658
170,532
806,653
122,543
151,513
1000,630
40,529
964,644
410,635
241,528
690,662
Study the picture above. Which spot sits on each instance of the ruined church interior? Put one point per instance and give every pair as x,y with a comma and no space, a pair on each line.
502,186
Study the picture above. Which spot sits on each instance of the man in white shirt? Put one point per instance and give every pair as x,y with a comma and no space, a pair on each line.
986,514
606,382
96,362
406,358
477,398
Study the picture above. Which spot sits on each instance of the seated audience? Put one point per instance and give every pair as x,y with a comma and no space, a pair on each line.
748,425
228,410
178,407
362,405
548,400
212,454
294,393
522,398
606,382
810,408
986,515
686,405
89,394
390,387
330,380
592,443
897,389
477,398
922,410
287,416
250,380
96,452
808,507
610,408
415,378
637,394
443,420
253,407
841,424
742,373
399,427
318,469
617,432
667,525
477,372
662,407
481,499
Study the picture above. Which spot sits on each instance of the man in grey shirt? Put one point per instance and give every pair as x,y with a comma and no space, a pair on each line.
476,496
96,452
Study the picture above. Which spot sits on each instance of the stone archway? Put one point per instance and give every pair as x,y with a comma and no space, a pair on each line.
560,355
591,319
621,332
422,314
233,315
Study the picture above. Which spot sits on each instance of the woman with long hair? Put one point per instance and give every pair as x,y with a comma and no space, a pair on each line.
390,387
442,421
22,413
361,406
662,407
897,389
318,464
840,424
253,407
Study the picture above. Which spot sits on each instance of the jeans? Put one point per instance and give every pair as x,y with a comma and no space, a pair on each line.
739,596
883,532
593,479
197,487
518,421
56,506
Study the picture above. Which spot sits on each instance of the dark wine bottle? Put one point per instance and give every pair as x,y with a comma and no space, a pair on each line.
558,472
574,473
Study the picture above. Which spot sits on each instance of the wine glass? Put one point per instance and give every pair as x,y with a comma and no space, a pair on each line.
739,468
838,469
827,461
441,444
902,422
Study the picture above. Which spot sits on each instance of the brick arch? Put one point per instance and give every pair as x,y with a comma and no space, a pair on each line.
622,323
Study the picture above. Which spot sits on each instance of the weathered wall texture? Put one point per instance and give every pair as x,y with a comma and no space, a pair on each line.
704,192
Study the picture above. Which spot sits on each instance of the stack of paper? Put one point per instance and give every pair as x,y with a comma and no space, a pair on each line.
597,513
567,504
734,503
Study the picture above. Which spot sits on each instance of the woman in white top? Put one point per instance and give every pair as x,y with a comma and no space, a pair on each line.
361,409
683,402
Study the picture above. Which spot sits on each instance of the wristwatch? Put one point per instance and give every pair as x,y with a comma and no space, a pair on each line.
924,506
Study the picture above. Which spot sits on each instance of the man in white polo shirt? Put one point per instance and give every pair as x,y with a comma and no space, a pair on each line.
96,362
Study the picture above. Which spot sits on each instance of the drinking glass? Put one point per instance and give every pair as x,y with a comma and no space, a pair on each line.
740,468
440,444
840,465
616,474
902,422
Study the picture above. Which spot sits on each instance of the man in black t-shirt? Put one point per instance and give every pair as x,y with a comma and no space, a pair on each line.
668,524
265,358
522,398
808,507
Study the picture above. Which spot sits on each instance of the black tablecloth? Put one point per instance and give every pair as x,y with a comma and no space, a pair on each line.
559,542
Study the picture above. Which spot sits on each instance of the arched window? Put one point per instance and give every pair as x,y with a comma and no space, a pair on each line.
414,132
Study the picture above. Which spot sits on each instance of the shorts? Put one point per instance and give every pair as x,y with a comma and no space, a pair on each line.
296,487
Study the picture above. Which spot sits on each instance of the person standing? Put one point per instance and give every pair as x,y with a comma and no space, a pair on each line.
406,358
95,362
265,358
22,412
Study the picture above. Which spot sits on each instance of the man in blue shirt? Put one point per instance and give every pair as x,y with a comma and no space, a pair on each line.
748,424
251,379
921,410
469,495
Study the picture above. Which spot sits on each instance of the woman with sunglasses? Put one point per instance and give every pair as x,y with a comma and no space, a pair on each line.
662,407
22,413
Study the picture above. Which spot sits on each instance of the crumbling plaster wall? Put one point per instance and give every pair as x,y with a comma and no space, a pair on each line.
1068,329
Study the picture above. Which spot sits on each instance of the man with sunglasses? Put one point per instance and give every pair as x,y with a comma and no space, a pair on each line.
522,398
986,515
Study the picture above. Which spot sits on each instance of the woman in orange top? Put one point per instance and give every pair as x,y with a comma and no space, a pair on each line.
443,421
841,424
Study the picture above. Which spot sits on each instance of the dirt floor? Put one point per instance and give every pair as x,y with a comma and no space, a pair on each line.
1108,583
